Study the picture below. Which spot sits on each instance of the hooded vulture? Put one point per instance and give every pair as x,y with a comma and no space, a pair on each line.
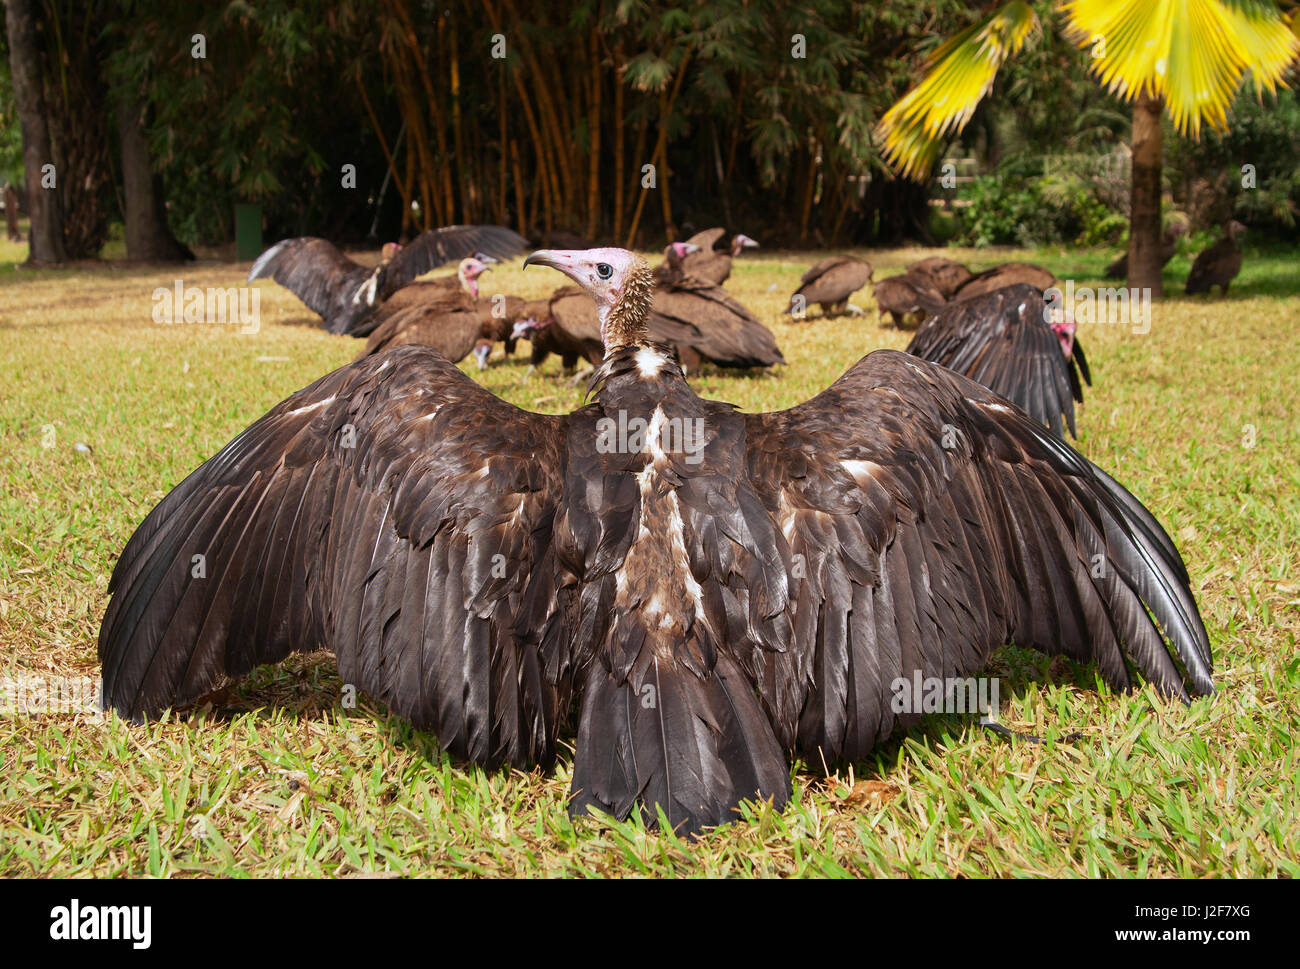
344,293
1006,274
1168,246
566,325
945,275
1217,265
707,589
714,265
829,284
1003,341
908,297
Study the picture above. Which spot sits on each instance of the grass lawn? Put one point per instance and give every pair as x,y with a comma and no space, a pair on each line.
1198,418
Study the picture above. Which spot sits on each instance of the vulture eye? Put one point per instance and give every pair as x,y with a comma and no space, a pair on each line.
604,270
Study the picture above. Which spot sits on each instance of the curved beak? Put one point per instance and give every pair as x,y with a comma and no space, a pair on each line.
561,259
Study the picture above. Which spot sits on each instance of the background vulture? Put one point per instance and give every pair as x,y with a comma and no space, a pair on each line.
1168,246
829,284
567,325
1003,340
1217,265
714,265
908,297
945,275
344,293
1007,274
713,588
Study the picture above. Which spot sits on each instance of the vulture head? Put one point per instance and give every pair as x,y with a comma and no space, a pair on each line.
387,253
620,283
469,271
482,350
1235,229
524,329
739,242
1064,331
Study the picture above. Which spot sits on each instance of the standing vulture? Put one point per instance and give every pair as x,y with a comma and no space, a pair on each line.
829,284
945,275
1217,265
1006,274
443,314
908,298
1003,341
566,325
1168,246
711,588
714,265
344,293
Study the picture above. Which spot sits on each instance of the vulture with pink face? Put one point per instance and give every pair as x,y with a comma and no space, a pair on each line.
344,294
706,589
443,314
1004,341
714,265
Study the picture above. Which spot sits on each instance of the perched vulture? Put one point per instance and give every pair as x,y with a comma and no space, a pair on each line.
344,293
711,589
672,270
703,322
1003,341
1007,274
714,265
1217,265
908,297
945,275
1168,246
567,325
829,284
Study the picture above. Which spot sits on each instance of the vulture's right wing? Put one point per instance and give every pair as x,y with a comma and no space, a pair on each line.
313,270
437,247
393,512
928,523
1000,340
707,239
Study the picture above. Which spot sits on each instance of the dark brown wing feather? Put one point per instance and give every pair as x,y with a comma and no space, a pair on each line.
437,247
946,275
393,512
453,334
313,270
913,556
1002,340
1006,274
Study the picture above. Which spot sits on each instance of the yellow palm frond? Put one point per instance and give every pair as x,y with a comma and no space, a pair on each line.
1193,53
961,71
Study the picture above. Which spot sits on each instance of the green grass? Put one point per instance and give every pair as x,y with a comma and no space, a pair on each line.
280,779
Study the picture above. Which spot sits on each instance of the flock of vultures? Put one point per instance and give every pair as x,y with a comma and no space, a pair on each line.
697,591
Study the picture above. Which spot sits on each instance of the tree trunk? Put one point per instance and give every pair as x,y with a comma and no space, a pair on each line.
148,237
1144,269
46,236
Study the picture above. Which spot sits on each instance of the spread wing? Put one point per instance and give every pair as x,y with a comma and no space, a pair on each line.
437,247
393,512
916,556
1001,340
313,270
707,239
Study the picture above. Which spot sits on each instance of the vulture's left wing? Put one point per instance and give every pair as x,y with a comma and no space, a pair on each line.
437,247
393,512
1001,340
928,523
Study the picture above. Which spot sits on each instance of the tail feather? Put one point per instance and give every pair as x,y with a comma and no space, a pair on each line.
693,746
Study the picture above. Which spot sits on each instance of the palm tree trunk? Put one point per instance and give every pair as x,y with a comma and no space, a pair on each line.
1144,269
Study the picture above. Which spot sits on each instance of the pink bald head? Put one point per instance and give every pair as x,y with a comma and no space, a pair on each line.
469,271
1065,333
739,242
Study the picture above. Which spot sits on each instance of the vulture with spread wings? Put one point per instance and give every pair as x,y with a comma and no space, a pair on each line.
713,588
1004,341
344,293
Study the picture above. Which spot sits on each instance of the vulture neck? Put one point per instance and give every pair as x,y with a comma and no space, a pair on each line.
624,324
